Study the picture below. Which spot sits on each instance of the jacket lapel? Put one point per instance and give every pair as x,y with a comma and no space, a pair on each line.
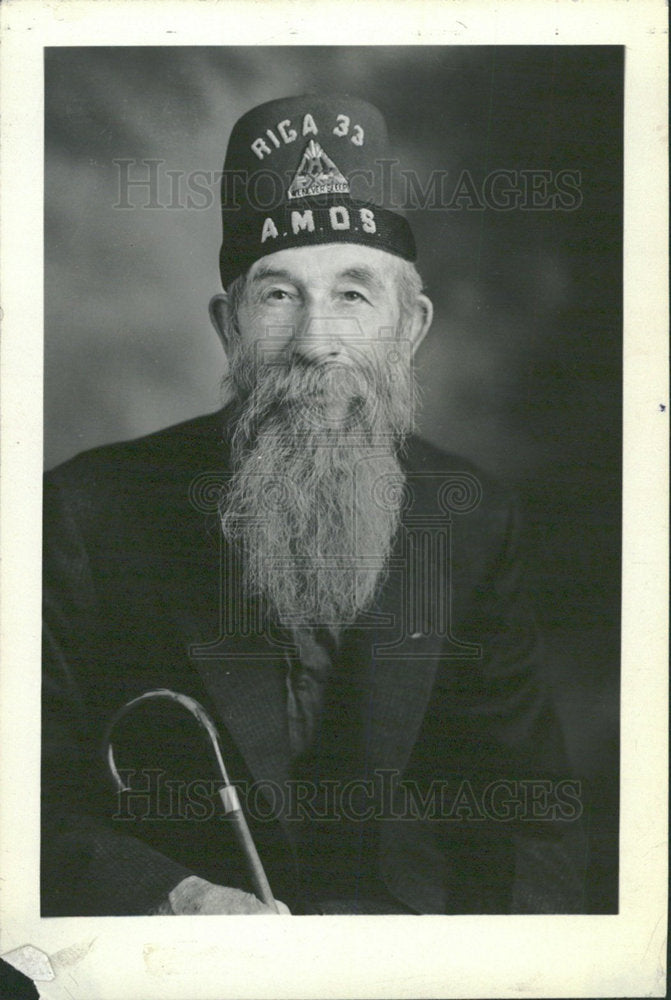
399,671
242,670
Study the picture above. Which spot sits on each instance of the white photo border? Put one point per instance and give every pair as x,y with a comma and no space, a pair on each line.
469,956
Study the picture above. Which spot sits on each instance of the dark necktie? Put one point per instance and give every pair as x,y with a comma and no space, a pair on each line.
306,681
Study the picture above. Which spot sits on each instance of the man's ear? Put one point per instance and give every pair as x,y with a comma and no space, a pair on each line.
421,320
218,316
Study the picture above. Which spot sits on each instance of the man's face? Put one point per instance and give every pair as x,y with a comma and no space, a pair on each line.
332,303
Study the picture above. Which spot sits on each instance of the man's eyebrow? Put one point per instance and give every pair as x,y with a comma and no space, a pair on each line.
265,271
364,275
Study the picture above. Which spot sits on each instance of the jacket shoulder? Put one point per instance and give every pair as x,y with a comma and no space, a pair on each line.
425,461
168,453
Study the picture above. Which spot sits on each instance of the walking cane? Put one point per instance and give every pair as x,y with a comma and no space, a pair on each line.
228,793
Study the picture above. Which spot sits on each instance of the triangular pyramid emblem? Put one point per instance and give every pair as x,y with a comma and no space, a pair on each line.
316,174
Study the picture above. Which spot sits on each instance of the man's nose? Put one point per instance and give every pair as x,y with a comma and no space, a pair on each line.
322,338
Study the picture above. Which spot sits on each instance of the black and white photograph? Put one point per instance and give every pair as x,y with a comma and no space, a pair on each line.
387,565
332,510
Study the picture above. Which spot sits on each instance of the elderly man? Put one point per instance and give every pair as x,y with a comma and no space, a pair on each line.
344,599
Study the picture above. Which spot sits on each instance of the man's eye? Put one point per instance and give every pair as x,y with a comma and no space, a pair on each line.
351,296
277,295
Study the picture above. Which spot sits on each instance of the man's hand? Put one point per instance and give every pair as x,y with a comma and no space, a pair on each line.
196,895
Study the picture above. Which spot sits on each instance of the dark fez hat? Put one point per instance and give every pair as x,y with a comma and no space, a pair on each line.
293,169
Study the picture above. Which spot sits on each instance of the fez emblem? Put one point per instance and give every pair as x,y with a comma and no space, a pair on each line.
316,174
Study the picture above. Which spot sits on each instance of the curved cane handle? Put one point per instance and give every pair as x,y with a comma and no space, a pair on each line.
228,793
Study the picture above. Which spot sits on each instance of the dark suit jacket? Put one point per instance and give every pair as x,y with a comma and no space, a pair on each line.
140,593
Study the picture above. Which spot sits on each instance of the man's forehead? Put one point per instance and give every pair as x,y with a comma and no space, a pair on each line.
327,261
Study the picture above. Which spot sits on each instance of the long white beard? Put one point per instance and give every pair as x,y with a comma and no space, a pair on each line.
314,500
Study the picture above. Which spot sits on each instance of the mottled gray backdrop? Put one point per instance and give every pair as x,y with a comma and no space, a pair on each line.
522,371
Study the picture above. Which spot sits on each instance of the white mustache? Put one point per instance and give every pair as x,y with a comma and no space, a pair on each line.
291,376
